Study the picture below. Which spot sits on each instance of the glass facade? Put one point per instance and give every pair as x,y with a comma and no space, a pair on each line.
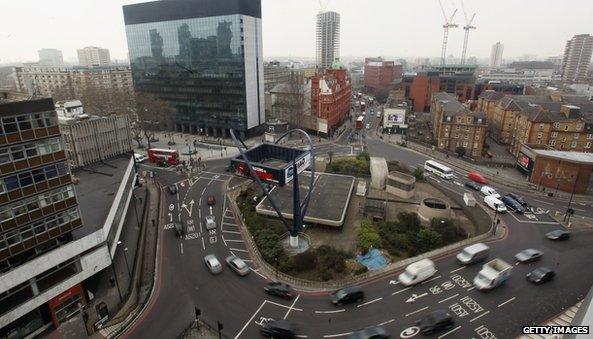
196,65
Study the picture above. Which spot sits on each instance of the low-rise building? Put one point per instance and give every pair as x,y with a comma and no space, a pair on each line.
455,125
330,98
380,75
394,116
420,87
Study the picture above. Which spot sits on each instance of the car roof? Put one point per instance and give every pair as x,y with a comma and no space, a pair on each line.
282,324
211,258
439,314
530,250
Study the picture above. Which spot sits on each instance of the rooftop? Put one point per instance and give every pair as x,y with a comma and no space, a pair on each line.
11,96
96,191
580,157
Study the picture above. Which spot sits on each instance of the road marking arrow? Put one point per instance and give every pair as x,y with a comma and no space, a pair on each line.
191,207
393,282
416,296
210,210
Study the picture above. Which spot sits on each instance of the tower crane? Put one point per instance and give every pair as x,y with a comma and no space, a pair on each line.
448,24
468,26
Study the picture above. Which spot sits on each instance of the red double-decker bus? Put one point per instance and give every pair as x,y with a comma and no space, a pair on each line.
161,156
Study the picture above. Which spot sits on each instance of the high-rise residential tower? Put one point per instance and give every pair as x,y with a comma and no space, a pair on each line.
577,56
496,54
328,39
50,57
204,58
93,57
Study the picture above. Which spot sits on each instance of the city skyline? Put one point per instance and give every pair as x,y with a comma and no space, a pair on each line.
396,35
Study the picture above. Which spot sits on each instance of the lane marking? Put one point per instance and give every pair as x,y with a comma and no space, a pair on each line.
400,291
232,232
427,281
181,247
250,319
330,312
369,302
386,322
458,269
203,245
291,306
508,301
232,240
285,306
543,202
337,335
420,310
256,272
481,315
445,334
471,288
451,297
237,249
223,240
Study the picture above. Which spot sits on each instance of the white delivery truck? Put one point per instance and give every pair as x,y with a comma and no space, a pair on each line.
493,274
495,204
473,254
417,272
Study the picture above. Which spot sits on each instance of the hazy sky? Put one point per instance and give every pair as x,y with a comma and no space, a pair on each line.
368,27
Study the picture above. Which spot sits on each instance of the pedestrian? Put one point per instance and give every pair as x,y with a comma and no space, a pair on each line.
112,281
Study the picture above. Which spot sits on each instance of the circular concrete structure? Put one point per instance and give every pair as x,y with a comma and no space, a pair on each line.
433,208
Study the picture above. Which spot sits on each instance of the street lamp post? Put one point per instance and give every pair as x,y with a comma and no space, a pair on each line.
121,299
126,259
569,211
276,262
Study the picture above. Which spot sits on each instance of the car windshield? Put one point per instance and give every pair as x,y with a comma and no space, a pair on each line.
341,294
239,263
483,280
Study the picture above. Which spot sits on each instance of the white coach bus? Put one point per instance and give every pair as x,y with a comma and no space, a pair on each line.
438,169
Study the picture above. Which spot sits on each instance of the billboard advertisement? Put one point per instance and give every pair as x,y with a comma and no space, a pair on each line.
394,117
302,163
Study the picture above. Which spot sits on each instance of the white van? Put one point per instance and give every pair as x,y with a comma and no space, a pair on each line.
487,190
473,254
417,272
495,204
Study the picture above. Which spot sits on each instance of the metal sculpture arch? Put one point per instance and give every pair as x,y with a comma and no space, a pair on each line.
299,209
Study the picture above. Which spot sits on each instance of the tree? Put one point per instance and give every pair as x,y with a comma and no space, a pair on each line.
448,230
418,174
461,151
409,222
367,236
152,115
427,240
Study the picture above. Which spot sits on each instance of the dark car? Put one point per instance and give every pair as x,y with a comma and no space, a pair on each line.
529,255
173,189
513,204
473,185
347,295
518,199
435,321
558,235
278,329
210,200
179,229
540,275
372,332
279,289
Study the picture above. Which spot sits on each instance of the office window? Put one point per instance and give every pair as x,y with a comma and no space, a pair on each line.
566,127
554,134
573,144
556,125
588,144
590,136
552,142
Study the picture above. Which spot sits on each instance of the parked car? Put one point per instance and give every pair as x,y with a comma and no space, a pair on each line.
347,295
473,185
497,205
513,204
173,189
529,255
487,190
279,289
140,157
213,264
210,222
518,198
278,329
417,272
210,200
238,265
558,235
435,321
368,126
372,332
473,254
540,275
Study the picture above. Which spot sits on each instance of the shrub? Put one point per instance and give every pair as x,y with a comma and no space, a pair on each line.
427,240
448,230
367,236
461,151
361,270
269,245
330,259
409,222
418,174
364,156
304,261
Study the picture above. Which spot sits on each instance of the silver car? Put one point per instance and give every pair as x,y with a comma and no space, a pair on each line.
210,222
529,255
213,264
237,265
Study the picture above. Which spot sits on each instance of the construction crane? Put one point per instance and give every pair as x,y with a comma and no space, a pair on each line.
448,24
468,26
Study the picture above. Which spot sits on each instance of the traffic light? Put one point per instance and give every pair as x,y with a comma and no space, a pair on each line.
198,312
219,326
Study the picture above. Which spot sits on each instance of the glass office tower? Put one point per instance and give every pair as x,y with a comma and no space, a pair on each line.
203,57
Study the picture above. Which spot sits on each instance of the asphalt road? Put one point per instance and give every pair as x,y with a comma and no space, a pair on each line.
240,304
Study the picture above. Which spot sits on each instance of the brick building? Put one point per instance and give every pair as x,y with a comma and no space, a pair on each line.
454,125
560,170
380,76
330,97
420,87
